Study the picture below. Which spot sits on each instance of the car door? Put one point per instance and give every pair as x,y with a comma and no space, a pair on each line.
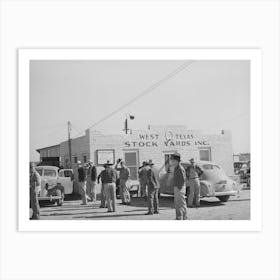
65,178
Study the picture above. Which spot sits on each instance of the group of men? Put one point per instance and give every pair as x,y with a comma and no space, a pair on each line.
149,183
87,178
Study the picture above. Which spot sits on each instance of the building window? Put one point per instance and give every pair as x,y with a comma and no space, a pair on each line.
131,161
205,154
105,155
75,159
85,158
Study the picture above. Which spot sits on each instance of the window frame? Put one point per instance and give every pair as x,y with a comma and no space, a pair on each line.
209,151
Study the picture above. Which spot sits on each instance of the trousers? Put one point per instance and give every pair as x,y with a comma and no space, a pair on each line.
180,203
110,192
103,196
194,195
83,187
153,199
143,187
91,189
124,191
34,203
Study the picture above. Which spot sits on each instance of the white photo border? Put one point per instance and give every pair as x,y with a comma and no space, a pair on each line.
255,57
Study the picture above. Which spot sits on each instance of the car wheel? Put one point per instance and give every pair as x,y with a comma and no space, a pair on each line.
223,198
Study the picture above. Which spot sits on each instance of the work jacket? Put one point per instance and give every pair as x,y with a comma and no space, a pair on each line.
193,172
153,178
92,173
81,174
179,176
143,174
124,173
108,175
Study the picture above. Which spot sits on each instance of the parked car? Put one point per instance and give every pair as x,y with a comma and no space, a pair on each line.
55,183
213,182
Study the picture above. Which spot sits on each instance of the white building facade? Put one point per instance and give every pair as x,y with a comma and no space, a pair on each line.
155,143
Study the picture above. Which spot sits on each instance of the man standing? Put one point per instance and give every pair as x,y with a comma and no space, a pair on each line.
82,182
153,187
193,174
92,180
102,176
143,178
124,176
34,188
179,187
109,179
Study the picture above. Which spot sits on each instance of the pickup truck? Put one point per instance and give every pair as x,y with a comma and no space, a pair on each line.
55,183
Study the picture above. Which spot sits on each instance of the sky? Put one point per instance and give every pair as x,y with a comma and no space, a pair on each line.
205,95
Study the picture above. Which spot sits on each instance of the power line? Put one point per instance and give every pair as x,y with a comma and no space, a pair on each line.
144,92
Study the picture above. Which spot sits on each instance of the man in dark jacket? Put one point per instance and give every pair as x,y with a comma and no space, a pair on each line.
102,193
179,187
153,187
109,178
82,182
143,178
91,180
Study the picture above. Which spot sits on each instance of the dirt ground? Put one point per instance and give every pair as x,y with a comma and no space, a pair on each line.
236,208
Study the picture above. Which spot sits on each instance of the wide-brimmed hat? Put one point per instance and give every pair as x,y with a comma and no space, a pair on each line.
176,156
191,160
150,162
79,162
145,163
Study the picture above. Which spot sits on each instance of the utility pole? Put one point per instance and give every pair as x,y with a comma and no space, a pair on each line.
125,126
69,143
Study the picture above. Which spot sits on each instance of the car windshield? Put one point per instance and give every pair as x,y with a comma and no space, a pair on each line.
67,173
39,170
49,173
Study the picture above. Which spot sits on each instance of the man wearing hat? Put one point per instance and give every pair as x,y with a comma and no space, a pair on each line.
102,193
153,187
179,187
124,176
143,178
82,182
34,188
193,174
109,180
91,180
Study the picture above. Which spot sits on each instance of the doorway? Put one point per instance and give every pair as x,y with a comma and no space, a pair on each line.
132,163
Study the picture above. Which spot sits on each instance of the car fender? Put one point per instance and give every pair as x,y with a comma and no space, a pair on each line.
206,189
